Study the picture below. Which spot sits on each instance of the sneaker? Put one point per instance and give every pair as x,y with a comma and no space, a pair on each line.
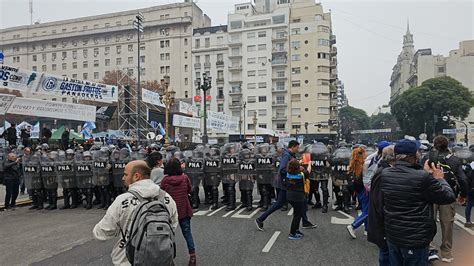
298,232
294,237
433,255
259,224
309,225
351,231
447,260
468,225
317,205
192,259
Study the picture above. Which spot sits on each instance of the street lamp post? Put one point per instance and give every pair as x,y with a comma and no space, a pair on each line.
167,98
242,107
205,86
138,25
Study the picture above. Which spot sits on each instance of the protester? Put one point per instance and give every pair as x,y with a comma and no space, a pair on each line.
408,195
356,168
178,186
296,176
10,135
65,139
12,181
287,155
45,134
115,222
155,162
376,232
25,135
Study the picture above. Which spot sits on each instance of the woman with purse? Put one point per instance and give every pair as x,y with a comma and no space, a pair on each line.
297,189
177,184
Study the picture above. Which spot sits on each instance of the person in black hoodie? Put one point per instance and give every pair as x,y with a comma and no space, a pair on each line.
12,181
10,135
376,232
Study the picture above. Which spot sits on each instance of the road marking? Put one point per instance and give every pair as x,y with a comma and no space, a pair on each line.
290,212
216,211
244,216
229,212
348,220
270,242
461,223
202,213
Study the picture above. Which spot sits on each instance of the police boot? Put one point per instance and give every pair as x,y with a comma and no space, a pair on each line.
339,202
347,202
40,199
243,199
102,196
106,198
265,194
97,196
88,194
53,200
195,198
207,195
74,198
34,198
225,190
231,195
249,198
215,196
66,197
260,191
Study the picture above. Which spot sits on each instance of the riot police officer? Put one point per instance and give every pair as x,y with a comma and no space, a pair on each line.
264,166
230,166
119,159
319,176
212,176
33,181
195,171
83,166
246,176
67,179
101,178
340,178
50,180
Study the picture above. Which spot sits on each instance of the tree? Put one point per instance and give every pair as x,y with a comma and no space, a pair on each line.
424,106
352,119
383,120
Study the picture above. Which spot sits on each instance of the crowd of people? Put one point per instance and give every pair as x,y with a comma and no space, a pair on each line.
398,187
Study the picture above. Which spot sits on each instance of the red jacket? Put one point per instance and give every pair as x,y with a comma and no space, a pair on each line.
179,187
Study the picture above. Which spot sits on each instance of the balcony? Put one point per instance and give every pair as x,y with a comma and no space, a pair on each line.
220,63
197,65
333,63
220,98
334,51
236,55
333,102
278,50
279,103
279,118
279,89
235,105
280,37
220,80
333,76
207,64
279,62
279,77
235,91
236,80
332,39
332,89
235,67
233,43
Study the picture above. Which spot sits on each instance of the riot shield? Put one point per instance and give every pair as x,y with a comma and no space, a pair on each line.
212,167
119,161
194,165
31,171
466,157
65,169
246,169
48,170
340,165
264,163
319,154
229,162
101,168
83,166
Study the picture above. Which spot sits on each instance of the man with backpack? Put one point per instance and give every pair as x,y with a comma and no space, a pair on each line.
456,178
145,218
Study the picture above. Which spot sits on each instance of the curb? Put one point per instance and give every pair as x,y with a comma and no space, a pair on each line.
24,202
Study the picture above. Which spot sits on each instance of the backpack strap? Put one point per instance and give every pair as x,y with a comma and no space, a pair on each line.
137,195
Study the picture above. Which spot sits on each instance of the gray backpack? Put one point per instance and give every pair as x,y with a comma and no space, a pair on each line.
150,239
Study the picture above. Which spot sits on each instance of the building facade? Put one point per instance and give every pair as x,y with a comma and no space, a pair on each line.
87,48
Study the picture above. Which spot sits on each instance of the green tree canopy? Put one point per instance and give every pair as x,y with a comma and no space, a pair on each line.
383,120
352,119
429,102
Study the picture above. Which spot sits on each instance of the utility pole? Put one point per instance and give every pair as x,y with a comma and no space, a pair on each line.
138,25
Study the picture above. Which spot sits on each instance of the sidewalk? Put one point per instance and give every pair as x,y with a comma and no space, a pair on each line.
22,199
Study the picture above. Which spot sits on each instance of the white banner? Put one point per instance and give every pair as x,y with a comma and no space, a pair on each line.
371,131
186,108
5,101
18,79
184,121
222,122
151,97
77,89
52,109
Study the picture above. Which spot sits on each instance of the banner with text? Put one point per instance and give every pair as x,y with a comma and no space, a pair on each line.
186,108
185,121
18,79
52,109
5,101
222,122
151,97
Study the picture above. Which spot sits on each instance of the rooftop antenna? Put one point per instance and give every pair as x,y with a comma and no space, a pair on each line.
31,12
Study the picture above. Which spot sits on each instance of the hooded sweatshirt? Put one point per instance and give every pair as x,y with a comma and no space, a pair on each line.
117,217
179,186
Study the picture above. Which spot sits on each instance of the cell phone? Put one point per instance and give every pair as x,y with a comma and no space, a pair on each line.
433,157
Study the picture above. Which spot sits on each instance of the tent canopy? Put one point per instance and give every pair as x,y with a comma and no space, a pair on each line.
72,135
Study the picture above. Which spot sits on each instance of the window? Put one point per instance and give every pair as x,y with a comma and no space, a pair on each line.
323,56
165,32
130,60
262,99
296,44
323,82
96,75
118,49
251,48
34,68
322,28
207,42
295,31
16,59
186,41
162,70
130,47
43,68
251,99
280,126
107,50
280,18
318,17
262,34
262,125
262,72
251,60
236,24
295,57
162,57
220,57
142,59
220,40
167,56
441,69
185,81
296,83
280,73
262,60
323,96
295,111
118,61
85,64
235,51
251,86
296,97
34,58
262,47
250,126
96,63
96,52
107,38
186,55
167,69
280,86
262,85
74,76
197,43
251,73
107,62
280,99
84,75
295,70
142,46
64,66
43,56
207,58
323,110
323,42
74,65
262,112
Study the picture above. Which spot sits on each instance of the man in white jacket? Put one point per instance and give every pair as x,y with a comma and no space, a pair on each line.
136,178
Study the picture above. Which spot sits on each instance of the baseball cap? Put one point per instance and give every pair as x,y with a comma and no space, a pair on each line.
407,147
383,144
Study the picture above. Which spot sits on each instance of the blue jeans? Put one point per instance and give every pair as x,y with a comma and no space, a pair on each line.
384,259
363,198
407,256
280,201
469,203
185,225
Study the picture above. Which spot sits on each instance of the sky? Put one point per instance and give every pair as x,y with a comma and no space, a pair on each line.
369,33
